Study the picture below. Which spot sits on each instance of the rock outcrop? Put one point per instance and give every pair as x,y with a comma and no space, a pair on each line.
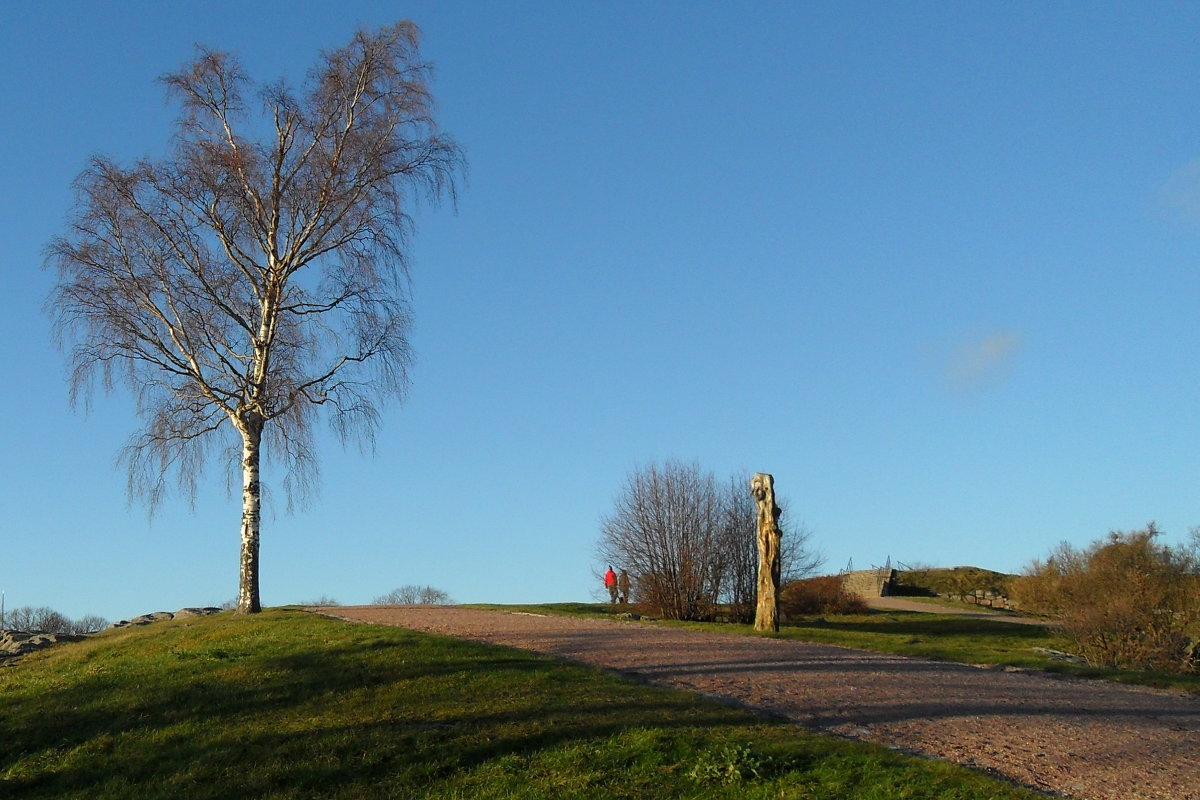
159,616
14,644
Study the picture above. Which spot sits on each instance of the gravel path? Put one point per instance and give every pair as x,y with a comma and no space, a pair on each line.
1084,739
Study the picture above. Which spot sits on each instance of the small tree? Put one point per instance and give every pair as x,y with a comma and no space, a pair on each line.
253,278
403,596
89,623
434,597
43,618
413,595
738,540
665,530
1127,601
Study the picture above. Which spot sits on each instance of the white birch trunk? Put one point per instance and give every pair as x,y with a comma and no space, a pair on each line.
248,597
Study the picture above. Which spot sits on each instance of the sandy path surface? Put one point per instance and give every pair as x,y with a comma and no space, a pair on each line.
1083,739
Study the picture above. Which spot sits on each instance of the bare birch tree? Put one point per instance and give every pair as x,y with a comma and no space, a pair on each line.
254,280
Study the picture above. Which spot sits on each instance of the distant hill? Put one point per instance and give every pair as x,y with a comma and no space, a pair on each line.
932,581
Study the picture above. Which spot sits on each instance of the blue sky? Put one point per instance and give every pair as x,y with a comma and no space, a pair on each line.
932,265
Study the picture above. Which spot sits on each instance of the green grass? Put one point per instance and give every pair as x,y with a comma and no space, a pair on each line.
967,640
944,637
290,705
604,610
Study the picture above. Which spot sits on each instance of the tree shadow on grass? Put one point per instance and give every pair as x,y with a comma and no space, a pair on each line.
761,673
940,626
391,708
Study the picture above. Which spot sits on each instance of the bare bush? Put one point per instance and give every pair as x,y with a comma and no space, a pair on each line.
1126,601
403,596
822,595
689,543
89,623
434,597
47,620
322,601
27,618
411,595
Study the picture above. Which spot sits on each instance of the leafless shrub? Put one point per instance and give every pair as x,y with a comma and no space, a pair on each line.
322,601
1127,601
403,596
27,618
410,595
822,595
89,623
435,597
47,620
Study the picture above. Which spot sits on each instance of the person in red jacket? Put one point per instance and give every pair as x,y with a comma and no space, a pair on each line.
610,583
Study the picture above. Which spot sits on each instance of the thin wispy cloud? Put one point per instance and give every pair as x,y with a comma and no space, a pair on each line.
1180,193
983,362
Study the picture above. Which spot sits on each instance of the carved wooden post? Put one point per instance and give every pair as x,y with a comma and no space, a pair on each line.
766,616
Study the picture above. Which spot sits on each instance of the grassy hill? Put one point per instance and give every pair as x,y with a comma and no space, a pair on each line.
931,581
290,705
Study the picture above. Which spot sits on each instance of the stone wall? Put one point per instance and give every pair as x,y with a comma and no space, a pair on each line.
869,582
981,598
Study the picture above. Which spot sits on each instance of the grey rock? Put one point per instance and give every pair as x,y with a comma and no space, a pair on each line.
197,612
14,644
1059,655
